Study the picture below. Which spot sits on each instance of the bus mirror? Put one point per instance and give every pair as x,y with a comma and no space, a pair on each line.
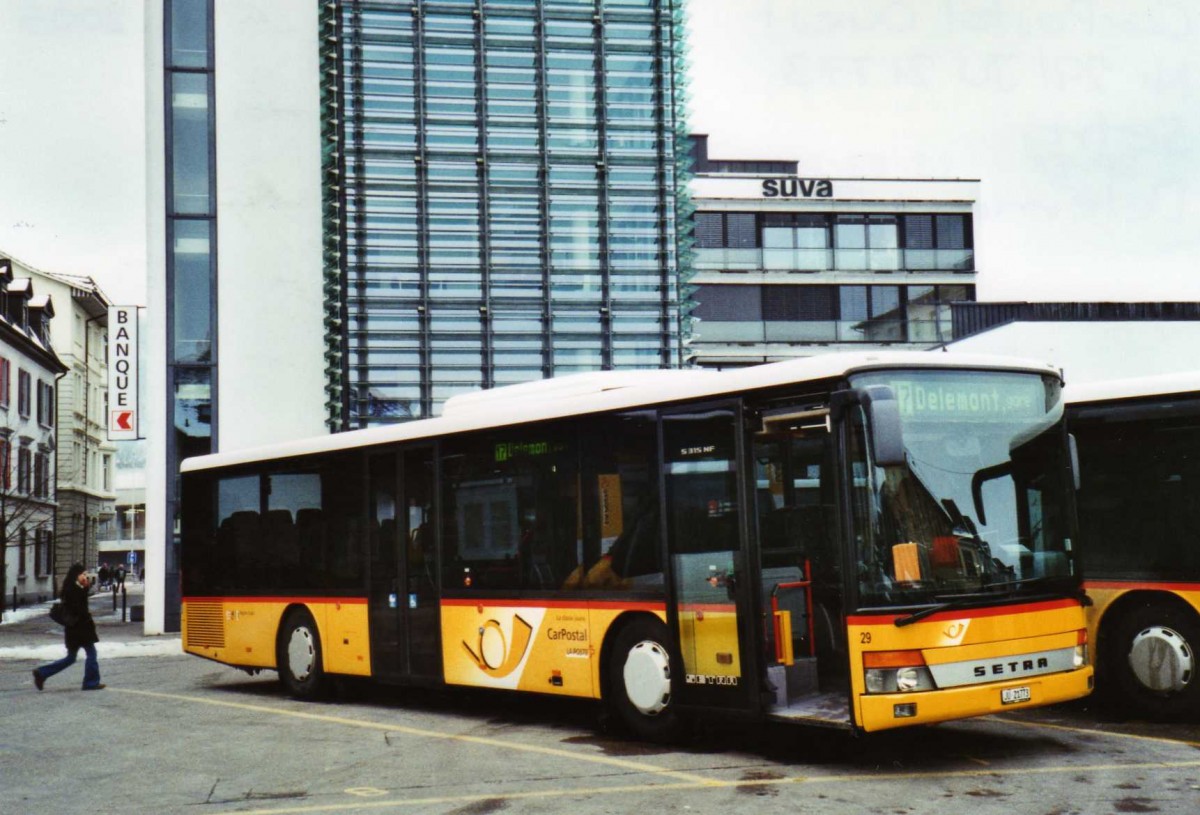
1074,460
883,417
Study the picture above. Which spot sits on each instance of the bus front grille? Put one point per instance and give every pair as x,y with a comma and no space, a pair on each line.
205,625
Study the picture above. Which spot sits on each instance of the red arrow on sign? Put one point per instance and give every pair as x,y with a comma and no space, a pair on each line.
124,419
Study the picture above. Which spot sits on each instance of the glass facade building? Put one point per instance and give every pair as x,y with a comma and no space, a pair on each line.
501,192
191,257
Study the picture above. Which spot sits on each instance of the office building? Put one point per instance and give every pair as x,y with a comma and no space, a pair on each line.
394,203
792,263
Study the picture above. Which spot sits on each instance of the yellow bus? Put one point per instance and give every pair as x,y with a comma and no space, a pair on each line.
1139,517
864,541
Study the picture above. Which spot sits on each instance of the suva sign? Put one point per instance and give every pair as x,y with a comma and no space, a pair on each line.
797,188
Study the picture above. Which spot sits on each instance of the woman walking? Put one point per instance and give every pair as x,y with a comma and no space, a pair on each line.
79,631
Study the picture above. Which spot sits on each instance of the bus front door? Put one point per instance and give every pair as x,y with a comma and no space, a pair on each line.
404,599
710,597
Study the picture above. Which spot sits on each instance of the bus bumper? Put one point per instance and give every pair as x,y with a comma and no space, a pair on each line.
889,710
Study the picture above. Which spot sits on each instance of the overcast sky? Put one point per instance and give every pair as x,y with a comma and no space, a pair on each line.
1081,118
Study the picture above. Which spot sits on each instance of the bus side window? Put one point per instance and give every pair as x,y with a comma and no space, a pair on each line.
621,545
511,510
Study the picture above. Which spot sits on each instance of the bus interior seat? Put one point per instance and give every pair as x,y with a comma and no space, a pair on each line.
279,538
245,538
310,532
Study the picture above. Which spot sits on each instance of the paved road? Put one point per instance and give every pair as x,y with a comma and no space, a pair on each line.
179,734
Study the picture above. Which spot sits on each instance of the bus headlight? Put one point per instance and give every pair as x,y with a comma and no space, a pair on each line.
896,671
1081,648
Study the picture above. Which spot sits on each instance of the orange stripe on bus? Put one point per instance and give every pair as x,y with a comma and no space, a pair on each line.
966,613
345,601
1154,585
493,602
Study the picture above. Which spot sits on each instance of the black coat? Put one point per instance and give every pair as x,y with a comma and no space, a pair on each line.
82,628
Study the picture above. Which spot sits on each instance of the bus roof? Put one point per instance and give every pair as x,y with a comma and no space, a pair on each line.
581,394
1133,388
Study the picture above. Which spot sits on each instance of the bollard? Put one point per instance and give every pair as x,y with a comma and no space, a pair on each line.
114,596
123,599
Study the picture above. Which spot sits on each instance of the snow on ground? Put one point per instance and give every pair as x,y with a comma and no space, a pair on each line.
25,613
149,647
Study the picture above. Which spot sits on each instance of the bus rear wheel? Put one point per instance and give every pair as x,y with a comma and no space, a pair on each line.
298,654
1151,663
639,682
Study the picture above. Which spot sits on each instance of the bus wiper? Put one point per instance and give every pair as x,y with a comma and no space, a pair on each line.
953,601
950,602
1003,584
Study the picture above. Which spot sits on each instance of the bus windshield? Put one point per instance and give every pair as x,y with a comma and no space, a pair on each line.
980,506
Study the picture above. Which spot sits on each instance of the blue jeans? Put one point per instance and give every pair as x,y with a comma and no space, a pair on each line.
91,666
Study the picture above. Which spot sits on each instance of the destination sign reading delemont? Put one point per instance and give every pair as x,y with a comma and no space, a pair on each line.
977,398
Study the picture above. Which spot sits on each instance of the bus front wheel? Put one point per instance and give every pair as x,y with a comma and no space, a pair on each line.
639,682
1151,661
299,656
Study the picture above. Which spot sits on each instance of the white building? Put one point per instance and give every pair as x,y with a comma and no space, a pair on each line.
29,374
791,263
1089,342
86,458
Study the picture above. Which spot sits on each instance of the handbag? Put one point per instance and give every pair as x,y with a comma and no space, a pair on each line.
58,614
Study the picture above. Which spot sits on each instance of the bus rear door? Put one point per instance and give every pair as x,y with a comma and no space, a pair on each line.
404,596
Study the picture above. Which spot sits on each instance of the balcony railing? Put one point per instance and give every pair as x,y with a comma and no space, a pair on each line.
823,331
844,260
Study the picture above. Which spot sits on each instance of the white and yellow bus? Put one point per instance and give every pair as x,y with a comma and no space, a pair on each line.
1139,519
866,541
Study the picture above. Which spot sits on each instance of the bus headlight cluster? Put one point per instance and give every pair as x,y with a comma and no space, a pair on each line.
903,680
896,672
1081,648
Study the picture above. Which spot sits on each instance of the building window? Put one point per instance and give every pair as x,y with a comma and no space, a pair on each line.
867,242
821,313
46,483
41,552
798,303
107,473
5,375
796,241
5,464
942,242
24,395
24,470
21,565
710,230
45,404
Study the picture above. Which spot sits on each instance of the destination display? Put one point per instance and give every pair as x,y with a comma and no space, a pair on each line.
968,398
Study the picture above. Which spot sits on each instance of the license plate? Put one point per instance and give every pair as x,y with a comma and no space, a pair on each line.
1011,696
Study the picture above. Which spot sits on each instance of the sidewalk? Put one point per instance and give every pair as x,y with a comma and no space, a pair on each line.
29,633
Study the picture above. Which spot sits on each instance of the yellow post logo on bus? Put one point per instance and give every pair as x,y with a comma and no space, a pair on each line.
547,650
493,653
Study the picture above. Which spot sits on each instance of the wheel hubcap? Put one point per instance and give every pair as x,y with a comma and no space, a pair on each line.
1161,659
647,677
301,653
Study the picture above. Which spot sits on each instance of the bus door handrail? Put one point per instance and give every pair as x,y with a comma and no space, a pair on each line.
783,651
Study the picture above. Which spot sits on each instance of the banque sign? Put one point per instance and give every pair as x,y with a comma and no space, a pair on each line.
797,188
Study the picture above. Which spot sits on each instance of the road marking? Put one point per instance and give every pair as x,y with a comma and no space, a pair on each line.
625,764
684,780
1093,732
461,800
